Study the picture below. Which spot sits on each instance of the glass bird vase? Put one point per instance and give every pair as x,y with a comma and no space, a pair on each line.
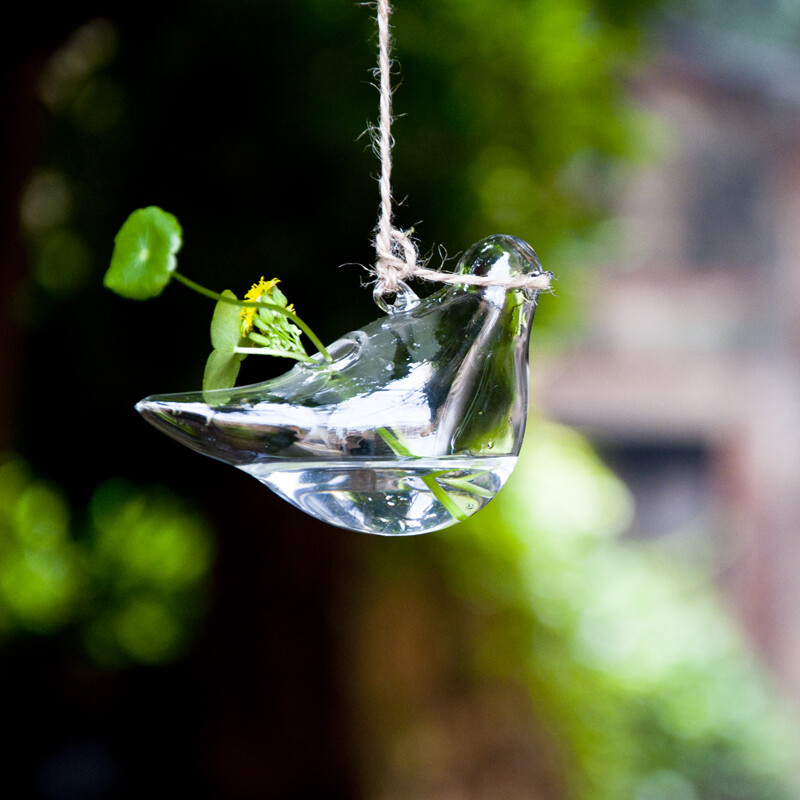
415,425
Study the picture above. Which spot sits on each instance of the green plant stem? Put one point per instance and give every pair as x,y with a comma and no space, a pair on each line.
266,351
465,486
398,448
401,448
196,287
441,495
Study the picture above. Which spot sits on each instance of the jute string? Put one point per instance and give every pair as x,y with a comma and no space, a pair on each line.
397,255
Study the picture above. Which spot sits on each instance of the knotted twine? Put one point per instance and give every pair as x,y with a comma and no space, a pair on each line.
397,255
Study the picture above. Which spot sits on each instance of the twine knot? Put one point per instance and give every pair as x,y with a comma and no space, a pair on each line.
397,259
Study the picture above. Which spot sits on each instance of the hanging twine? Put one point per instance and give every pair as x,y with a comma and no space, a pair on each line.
397,255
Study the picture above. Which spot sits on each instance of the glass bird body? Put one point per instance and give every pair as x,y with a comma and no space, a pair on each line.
414,426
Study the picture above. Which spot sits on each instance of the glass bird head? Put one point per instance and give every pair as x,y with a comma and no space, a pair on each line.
414,425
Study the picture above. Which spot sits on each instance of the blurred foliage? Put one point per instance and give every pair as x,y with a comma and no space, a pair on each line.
645,686
129,579
633,659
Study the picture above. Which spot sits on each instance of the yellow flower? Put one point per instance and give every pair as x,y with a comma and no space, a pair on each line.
257,290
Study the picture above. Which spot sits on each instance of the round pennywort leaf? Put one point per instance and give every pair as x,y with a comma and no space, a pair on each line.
144,254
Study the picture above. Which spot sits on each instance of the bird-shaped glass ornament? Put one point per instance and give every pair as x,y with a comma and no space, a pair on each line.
414,425
408,425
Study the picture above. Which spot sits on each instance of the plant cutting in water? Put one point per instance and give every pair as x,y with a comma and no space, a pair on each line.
145,260
407,488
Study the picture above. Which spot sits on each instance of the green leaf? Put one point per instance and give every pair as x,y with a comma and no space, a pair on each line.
144,254
226,323
222,367
221,370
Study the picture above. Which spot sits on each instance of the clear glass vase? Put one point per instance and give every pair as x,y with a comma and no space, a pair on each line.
414,426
